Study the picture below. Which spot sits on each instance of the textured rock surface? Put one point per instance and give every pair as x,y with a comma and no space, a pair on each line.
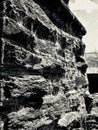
42,70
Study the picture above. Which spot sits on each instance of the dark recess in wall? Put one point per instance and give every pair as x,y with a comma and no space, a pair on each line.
93,83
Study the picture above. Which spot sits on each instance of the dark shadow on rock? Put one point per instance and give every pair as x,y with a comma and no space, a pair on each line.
33,100
88,103
53,72
80,59
22,39
83,68
17,70
66,20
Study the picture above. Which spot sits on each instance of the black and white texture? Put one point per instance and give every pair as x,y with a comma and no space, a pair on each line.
42,68
87,13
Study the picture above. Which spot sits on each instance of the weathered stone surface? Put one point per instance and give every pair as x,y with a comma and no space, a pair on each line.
68,118
34,119
42,69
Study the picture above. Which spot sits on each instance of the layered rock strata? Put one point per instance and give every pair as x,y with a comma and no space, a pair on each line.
42,69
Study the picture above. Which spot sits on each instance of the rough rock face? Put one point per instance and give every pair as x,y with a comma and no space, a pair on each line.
42,69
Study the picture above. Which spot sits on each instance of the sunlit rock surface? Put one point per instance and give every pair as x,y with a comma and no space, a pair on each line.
42,68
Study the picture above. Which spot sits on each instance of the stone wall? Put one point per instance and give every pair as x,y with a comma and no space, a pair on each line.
42,70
